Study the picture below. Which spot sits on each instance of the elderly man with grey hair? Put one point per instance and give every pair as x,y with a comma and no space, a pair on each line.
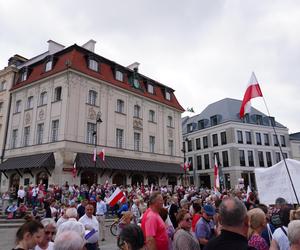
234,227
69,240
294,234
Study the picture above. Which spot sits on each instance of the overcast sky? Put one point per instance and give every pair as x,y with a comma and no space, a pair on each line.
204,49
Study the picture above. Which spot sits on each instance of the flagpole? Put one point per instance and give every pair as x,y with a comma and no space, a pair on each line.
280,148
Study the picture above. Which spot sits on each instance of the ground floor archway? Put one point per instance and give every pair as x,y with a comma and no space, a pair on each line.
152,179
119,179
172,180
42,178
89,178
204,181
137,179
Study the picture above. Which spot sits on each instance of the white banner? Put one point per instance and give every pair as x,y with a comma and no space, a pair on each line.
274,182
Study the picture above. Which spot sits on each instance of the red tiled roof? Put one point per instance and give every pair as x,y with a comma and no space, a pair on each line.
77,57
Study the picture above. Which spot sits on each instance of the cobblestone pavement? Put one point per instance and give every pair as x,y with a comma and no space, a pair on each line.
7,239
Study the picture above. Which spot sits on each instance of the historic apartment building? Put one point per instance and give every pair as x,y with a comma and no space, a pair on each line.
62,103
295,146
239,145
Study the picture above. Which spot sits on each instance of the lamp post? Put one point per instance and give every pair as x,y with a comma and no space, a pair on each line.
183,150
98,120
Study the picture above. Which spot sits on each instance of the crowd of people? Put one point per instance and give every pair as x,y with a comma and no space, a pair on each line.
153,217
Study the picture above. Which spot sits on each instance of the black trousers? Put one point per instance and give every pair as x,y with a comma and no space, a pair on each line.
91,246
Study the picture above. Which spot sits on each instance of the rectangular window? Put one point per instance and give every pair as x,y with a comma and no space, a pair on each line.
205,142
258,138
259,120
266,139
201,124
90,135
278,157
198,144
119,138
261,158
120,106
206,161
26,136
190,160
171,147
57,94
54,129
24,75
137,141
93,64
151,116
269,159
248,137
275,138
2,85
170,121
30,102
215,140
150,88
190,145
250,159
242,158
137,111
119,76
285,155
1,107
14,138
151,144
199,162
92,97
43,98
282,139
40,133
18,106
225,158
240,136
48,66
223,138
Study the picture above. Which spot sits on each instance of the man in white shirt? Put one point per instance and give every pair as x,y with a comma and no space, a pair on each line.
101,210
92,228
136,210
21,195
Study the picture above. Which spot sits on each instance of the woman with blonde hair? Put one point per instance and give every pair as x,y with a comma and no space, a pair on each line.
125,220
257,223
295,214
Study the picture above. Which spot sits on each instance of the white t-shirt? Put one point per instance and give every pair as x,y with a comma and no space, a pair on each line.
21,193
89,224
281,239
50,247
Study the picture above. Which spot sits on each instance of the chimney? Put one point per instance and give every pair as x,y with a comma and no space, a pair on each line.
90,45
54,47
134,66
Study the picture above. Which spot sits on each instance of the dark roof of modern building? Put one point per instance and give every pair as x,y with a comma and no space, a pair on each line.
295,136
46,160
225,110
75,57
84,160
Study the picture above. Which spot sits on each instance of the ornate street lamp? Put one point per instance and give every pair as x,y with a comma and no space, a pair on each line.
98,121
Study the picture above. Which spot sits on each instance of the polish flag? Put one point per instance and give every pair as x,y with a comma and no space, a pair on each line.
95,155
252,91
115,197
102,154
74,170
187,165
216,175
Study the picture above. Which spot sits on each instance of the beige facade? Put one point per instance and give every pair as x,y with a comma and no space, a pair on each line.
41,121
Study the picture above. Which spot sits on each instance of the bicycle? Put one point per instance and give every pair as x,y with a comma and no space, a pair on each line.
114,227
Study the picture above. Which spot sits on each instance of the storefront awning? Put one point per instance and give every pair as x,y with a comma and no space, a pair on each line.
84,160
45,160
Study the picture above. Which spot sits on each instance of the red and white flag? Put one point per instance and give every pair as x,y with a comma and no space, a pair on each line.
102,154
252,91
74,170
187,165
95,155
216,175
115,197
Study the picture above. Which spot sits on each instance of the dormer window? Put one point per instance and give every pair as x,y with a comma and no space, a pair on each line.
150,89
48,65
136,83
93,65
168,95
214,120
24,76
119,76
